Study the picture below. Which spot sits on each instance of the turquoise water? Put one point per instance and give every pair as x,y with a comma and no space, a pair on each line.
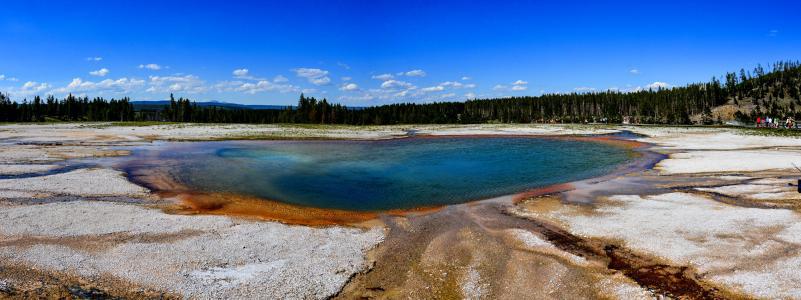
379,175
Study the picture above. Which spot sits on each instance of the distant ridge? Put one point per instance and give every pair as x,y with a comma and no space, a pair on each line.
159,104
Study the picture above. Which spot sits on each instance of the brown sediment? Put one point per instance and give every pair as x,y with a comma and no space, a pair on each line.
55,152
680,184
681,282
654,274
254,207
674,281
97,243
22,281
744,202
546,190
604,139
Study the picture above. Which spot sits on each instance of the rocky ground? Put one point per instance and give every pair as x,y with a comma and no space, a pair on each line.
715,219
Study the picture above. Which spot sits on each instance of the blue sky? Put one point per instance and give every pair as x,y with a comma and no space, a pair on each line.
376,52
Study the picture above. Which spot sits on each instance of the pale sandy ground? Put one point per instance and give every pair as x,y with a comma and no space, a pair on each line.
194,256
16,169
82,182
99,132
749,250
754,251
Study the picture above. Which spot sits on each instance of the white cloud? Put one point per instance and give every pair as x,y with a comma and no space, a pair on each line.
33,85
394,90
310,72
252,88
357,98
320,81
432,89
264,85
383,77
349,87
313,75
102,72
457,85
470,95
584,89
94,58
154,67
773,32
368,95
118,86
415,73
465,78
241,73
518,85
12,79
658,85
280,79
244,73
343,65
177,83
447,85
392,84
634,71
346,78
29,88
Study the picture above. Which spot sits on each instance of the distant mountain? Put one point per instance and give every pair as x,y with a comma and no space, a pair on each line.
159,105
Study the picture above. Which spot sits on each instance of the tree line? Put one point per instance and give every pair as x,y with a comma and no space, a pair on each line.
70,108
776,92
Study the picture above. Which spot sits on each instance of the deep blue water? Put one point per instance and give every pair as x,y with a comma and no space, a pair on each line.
378,175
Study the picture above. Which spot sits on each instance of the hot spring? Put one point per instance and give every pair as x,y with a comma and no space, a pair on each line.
378,175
